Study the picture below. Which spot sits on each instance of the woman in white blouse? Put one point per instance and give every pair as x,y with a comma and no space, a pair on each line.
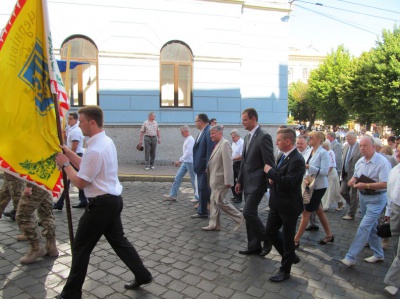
317,165
332,193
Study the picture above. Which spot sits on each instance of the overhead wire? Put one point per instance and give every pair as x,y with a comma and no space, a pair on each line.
373,7
352,24
347,10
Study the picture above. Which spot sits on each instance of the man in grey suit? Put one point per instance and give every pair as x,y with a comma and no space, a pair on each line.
351,154
257,152
220,179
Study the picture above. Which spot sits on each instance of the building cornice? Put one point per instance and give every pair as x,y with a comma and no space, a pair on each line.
306,58
258,4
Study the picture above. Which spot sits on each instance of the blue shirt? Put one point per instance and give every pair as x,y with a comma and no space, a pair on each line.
377,168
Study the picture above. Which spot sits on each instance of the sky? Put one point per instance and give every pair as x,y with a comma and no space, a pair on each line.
353,23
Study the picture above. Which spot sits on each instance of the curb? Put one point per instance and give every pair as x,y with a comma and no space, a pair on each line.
141,178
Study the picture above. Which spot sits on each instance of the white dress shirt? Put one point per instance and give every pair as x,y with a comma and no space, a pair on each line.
393,189
74,133
99,166
237,148
187,150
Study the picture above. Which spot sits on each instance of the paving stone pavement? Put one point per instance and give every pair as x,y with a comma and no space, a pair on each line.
187,262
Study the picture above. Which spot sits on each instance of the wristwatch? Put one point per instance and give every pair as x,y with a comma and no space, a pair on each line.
66,164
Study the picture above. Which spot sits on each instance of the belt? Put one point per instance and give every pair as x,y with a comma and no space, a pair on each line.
91,199
150,136
375,193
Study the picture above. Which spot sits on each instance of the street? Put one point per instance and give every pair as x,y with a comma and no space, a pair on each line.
187,262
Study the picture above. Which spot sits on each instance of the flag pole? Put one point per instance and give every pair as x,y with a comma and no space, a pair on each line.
65,180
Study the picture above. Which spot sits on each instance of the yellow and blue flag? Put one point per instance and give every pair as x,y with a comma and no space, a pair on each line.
29,75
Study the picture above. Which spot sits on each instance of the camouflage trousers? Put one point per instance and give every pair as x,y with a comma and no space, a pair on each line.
11,190
39,201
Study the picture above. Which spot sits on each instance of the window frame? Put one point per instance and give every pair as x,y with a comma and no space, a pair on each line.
176,65
82,86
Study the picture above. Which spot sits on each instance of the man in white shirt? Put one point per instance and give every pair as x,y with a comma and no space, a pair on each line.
186,165
98,176
370,179
75,143
237,150
393,214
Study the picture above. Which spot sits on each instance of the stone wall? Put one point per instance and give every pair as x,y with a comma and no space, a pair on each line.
170,149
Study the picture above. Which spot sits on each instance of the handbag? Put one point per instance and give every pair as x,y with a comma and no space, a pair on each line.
139,147
308,190
383,230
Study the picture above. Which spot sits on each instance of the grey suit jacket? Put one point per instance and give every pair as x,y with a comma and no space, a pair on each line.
355,156
337,149
219,168
260,151
391,159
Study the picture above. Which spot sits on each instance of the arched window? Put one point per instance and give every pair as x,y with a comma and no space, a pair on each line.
82,82
176,75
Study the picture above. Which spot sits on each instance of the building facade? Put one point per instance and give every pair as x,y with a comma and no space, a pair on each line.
302,60
176,58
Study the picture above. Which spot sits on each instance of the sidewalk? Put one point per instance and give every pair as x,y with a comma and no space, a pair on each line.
133,172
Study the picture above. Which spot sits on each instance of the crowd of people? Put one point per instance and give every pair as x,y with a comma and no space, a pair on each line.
357,174
347,170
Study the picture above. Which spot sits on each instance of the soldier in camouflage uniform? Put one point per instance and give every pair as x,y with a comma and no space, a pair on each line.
12,189
37,199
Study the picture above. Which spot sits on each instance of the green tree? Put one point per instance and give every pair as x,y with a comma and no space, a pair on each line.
323,87
355,92
298,102
384,79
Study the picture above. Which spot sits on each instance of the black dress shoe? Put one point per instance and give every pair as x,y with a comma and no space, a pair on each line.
11,214
79,206
280,276
296,260
312,228
267,249
135,284
55,207
250,252
58,297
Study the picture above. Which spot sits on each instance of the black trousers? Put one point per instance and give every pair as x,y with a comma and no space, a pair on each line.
254,226
236,168
283,241
101,217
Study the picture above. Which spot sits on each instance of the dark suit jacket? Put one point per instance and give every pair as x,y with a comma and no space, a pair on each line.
202,150
285,193
252,177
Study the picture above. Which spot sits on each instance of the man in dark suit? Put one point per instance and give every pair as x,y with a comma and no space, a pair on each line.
202,150
285,200
257,151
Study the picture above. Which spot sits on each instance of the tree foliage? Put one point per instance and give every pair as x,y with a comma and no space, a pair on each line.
299,105
323,87
364,89
384,79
